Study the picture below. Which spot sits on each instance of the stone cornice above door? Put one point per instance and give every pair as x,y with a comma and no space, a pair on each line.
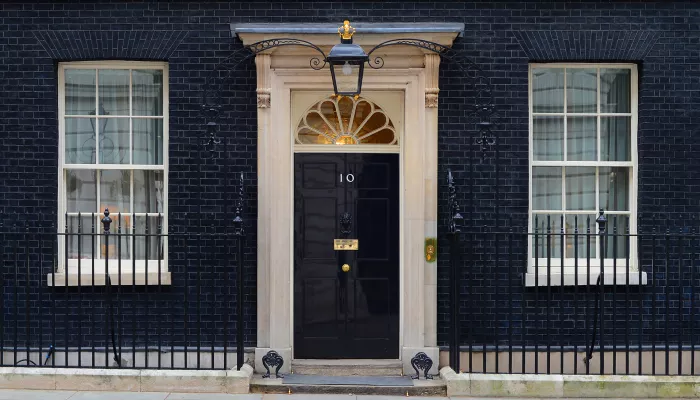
368,35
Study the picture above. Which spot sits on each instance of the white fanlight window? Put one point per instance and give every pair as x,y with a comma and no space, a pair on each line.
113,125
583,158
346,120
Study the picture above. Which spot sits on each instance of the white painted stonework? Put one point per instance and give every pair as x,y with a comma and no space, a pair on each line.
409,80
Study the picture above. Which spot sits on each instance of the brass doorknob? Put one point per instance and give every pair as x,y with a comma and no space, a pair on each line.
345,268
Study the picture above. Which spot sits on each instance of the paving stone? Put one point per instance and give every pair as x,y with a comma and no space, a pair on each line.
35,395
118,396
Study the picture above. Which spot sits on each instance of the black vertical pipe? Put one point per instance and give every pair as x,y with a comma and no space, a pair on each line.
199,287
80,292
614,297
2,291
562,246
54,255
653,302
537,295
93,291
588,286
679,247
227,257
65,293
497,209
146,295
602,221
667,243
495,302
454,293
549,293
522,317
105,234
16,298
40,292
627,299
213,298
510,296
26,291
576,238
119,285
640,333
172,315
186,314
134,308
692,308
159,248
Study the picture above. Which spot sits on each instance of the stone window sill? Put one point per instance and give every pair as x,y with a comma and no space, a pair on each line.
584,279
128,278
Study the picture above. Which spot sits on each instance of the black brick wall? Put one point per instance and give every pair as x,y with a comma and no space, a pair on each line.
662,37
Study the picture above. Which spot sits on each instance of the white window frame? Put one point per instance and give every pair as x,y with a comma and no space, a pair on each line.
132,272
615,271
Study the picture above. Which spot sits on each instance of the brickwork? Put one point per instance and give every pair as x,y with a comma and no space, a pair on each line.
501,37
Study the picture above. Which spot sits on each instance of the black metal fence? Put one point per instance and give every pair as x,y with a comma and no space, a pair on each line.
573,295
103,294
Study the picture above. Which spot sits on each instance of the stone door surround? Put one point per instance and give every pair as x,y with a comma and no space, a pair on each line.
410,70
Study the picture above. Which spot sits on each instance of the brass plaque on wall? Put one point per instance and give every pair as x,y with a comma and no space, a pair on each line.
346,244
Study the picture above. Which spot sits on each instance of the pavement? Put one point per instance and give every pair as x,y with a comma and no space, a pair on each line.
70,395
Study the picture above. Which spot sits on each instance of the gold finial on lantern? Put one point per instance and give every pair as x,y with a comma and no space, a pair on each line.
346,31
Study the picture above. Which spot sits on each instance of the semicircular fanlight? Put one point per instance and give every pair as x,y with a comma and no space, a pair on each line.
346,120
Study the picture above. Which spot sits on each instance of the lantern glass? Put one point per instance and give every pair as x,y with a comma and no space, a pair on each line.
348,78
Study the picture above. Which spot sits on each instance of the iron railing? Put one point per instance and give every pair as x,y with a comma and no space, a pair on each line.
125,301
516,307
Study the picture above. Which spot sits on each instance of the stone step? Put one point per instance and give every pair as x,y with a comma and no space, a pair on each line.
348,367
422,387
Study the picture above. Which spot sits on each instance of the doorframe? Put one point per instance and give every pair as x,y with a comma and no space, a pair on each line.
417,201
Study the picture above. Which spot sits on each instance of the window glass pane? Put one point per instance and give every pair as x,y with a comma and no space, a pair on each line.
584,239
617,239
614,188
80,140
81,191
80,91
546,188
548,90
114,91
148,141
581,140
149,231
615,90
546,240
581,90
548,138
148,191
147,86
81,246
115,191
615,139
580,188
114,140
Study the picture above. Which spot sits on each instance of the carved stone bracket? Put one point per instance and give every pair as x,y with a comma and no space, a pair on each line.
431,97
273,359
262,67
432,68
263,98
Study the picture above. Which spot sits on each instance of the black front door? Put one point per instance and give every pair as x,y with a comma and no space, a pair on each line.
352,313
